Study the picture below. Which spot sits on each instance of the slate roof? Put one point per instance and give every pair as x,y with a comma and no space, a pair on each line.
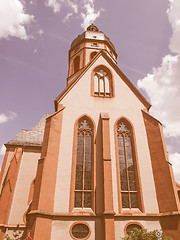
32,137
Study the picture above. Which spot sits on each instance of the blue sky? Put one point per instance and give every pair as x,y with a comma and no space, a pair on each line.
35,37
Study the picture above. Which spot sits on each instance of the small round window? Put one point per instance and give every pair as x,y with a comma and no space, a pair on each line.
130,227
80,231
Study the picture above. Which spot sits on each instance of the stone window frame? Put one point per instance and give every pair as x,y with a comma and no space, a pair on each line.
132,223
111,83
79,222
136,169
73,168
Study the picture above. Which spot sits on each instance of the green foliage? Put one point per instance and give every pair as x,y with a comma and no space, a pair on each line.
143,234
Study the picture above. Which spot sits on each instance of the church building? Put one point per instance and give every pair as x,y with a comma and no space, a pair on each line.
96,167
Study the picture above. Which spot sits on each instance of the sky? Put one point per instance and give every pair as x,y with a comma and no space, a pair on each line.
35,38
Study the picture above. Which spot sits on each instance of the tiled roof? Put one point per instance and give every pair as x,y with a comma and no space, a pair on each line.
32,137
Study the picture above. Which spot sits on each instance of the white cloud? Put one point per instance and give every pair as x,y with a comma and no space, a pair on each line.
40,32
56,5
86,8
175,160
74,6
35,51
33,2
2,150
174,19
67,17
5,118
163,88
90,14
163,85
13,19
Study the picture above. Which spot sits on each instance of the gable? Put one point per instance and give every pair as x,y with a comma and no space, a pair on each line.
102,59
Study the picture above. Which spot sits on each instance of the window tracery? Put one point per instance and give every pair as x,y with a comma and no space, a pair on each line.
83,179
102,83
126,161
80,231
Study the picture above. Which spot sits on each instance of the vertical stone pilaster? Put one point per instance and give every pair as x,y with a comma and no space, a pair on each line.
107,171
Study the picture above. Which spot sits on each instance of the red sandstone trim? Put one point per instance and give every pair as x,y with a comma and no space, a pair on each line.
109,229
73,171
107,171
31,191
45,183
3,166
84,55
165,189
136,166
57,215
8,188
111,80
125,228
108,192
170,167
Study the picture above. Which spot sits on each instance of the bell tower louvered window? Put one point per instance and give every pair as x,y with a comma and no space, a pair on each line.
83,179
126,161
76,64
92,55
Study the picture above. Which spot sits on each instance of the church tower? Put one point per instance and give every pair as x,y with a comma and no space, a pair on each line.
86,46
97,166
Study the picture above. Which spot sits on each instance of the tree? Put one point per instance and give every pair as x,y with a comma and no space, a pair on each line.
143,234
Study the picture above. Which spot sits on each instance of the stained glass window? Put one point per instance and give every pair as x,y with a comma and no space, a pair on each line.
83,181
126,166
80,231
101,83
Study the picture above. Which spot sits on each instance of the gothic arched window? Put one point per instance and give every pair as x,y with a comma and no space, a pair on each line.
127,166
76,64
102,80
84,164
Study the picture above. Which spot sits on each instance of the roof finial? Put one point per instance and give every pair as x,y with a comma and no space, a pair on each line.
92,27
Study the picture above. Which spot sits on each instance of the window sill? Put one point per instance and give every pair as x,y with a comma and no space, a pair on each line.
130,212
83,211
102,96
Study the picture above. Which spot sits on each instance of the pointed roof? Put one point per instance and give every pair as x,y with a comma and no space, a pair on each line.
32,137
92,27
115,67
